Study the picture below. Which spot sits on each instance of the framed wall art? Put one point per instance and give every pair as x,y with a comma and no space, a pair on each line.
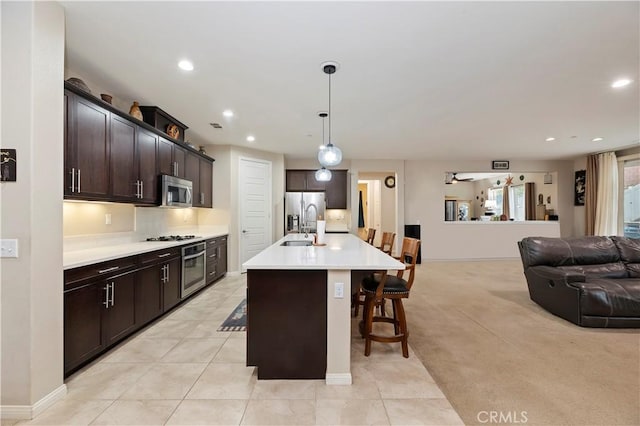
500,165
580,181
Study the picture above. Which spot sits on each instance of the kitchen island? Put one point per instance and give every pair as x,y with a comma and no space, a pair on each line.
299,305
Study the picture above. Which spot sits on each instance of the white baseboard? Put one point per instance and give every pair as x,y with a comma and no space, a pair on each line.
233,273
27,412
338,378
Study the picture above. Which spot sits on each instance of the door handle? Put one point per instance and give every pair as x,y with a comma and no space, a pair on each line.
113,292
106,296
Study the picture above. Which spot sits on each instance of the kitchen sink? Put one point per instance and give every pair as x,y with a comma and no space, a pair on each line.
297,243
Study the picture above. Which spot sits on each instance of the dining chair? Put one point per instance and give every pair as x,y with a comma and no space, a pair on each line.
381,286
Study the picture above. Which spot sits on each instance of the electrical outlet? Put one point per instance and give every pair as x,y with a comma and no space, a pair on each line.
107,219
338,290
8,248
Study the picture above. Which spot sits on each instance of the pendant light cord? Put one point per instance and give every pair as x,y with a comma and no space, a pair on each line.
329,110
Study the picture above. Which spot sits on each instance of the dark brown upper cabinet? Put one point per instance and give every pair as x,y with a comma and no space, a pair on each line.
335,190
110,156
87,150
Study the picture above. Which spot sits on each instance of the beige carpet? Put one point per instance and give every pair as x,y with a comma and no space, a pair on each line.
490,348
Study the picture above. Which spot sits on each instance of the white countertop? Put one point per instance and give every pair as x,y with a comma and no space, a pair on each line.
74,259
341,252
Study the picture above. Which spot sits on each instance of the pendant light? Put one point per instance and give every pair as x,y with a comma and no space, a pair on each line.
323,174
331,155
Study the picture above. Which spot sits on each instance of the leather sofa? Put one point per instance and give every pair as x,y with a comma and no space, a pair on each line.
590,281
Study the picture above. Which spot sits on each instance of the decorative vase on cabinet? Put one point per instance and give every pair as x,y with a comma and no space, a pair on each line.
135,111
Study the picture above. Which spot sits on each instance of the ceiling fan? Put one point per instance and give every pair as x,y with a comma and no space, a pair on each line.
452,178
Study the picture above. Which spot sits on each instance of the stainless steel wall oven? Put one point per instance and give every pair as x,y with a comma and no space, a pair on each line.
193,268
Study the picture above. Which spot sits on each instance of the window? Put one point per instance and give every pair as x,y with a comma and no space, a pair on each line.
629,167
516,201
494,200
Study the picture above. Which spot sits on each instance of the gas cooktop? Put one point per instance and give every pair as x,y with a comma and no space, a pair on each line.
172,238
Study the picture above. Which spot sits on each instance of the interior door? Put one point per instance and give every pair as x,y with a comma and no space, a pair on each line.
254,185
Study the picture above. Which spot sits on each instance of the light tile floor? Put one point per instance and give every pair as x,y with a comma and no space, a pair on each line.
181,371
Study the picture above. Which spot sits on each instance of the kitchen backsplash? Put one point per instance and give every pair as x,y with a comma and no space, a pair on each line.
87,218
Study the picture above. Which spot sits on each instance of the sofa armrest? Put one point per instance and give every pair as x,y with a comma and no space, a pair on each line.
558,276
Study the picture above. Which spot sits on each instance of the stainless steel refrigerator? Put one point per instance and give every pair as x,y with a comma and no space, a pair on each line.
302,210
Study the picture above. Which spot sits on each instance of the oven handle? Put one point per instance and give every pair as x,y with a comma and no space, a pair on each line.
202,253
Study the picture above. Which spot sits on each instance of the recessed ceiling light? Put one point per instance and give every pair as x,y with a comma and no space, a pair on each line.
550,139
227,113
251,138
186,65
620,83
596,139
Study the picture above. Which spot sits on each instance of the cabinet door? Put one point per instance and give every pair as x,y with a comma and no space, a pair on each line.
336,190
179,157
148,294
120,319
83,324
296,180
124,176
89,149
222,257
171,288
206,182
312,183
192,173
165,157
147,175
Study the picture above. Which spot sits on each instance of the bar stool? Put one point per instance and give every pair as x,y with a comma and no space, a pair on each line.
386,246
384,286
371,235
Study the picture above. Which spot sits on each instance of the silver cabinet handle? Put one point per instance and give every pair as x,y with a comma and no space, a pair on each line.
202,198
113,292
73,179
164,255
104,271
202,253
106,296
212,255
212,272
141,189
166,279
78,180
137,184
177,168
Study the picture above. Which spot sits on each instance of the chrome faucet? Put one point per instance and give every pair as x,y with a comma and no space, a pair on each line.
307,226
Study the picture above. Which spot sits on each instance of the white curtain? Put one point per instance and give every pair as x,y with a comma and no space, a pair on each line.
607,195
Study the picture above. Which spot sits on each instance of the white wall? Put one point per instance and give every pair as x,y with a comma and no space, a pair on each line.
426,190
32,122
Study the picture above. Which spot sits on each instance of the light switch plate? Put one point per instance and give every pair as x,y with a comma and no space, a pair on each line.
338,290
8,248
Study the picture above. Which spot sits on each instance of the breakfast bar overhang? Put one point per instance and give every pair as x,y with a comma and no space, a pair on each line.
298,305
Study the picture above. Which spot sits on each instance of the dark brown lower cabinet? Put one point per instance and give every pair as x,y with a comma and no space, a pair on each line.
287,323
149,294
171,285
83,308
119,315
216,258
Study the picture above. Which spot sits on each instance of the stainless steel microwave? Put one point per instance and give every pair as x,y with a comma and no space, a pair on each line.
176,192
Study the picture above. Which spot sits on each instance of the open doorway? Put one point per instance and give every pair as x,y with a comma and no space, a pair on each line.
378,204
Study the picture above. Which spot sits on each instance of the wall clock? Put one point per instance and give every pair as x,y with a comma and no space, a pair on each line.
390,182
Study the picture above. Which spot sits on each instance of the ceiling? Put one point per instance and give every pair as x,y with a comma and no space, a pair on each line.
417,80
